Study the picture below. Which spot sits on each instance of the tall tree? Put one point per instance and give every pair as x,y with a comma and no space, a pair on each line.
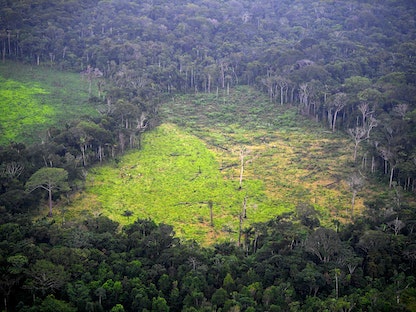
50,180
45,277
362,133
338,102
323,243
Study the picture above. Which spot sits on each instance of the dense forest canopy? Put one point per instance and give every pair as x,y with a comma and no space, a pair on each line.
228,41
350,65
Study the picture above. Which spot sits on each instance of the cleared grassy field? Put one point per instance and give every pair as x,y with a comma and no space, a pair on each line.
35,98
194,159
174,179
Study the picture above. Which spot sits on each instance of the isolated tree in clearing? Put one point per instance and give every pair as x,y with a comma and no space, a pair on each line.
49,179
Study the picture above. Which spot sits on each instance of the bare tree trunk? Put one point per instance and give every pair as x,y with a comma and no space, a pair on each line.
355,150
336,284
240,229
334,121
222,75
373,164
245,207
329,118
9,41
292,94
256,238
271,93
211,213
391,176
241,167
82,147
192,78
286,96
122,142
364,162
132,140
354,194
50,202
100,153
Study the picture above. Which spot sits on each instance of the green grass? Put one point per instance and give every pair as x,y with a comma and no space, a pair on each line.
171,180
297,159
194,157
35,98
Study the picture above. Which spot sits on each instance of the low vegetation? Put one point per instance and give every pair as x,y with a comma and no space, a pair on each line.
185,169
32,100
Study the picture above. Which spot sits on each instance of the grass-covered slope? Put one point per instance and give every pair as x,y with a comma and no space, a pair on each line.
33,99
174,179
195,157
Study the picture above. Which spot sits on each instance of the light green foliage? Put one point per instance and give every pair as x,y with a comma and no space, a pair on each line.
182,167
31,100
297,159
117,308
51,304
49,179
17,263
21,109
171,180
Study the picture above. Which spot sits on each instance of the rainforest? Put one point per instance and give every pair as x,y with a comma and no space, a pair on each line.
203,155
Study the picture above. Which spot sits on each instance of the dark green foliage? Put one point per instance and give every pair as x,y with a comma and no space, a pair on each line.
51,304
144,269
